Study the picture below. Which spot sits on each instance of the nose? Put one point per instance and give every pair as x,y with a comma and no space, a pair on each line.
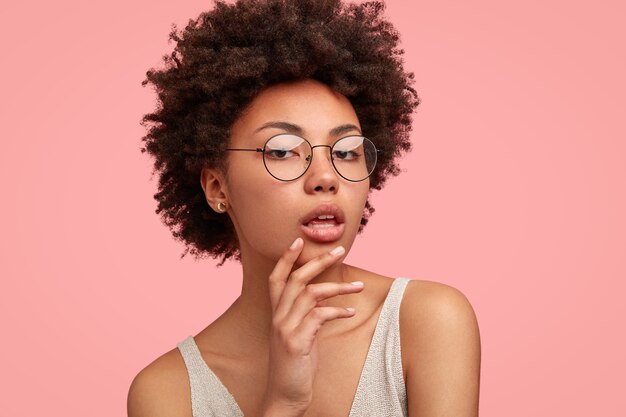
321,174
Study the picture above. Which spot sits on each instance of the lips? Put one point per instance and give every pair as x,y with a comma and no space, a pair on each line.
324,209
323,230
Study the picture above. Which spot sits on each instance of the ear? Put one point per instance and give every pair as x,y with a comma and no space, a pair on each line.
214,185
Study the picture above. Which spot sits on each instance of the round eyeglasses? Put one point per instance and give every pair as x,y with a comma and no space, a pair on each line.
287,157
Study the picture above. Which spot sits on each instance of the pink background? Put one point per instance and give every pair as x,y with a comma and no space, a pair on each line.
514,194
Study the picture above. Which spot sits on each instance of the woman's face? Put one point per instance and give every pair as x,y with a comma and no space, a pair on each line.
268,213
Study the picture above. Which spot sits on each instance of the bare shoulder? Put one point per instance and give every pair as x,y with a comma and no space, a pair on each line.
161,388
441,350
431,309
429,300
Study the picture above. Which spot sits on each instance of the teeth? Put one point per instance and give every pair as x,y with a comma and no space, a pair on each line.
323,217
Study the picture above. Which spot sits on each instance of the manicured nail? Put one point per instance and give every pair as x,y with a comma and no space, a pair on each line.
357,283
350,309
337,251
295,243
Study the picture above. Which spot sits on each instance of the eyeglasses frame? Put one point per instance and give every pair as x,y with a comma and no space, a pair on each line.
332,160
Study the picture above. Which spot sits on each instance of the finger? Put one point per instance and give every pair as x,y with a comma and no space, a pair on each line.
279,275
299,278
308,329
313,294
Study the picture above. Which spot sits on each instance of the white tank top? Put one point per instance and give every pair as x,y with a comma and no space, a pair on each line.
381,391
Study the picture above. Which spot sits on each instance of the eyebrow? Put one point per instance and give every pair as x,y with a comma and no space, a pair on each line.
295,129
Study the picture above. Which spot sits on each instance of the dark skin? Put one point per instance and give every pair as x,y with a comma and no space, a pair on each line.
440,340
220,65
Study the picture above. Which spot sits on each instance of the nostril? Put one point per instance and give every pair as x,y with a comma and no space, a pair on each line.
321,188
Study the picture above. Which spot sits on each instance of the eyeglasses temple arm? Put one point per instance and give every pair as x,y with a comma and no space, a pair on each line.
253,150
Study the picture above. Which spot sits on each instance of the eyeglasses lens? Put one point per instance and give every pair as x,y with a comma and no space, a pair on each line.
287,157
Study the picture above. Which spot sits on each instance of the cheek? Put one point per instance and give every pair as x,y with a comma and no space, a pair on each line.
361,198
267,215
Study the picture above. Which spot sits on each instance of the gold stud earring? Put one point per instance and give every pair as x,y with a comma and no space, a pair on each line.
221,207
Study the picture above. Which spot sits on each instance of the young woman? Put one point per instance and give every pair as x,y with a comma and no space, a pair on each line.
276,120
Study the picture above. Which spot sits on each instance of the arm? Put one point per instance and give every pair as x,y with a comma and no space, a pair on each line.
148,397
159,391
443,358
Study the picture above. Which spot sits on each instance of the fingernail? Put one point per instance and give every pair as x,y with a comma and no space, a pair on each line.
337,251
295,243
357,283
350,309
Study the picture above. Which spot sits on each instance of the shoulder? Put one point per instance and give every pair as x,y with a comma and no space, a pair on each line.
161,388
440,349
425,304
429,302
432,313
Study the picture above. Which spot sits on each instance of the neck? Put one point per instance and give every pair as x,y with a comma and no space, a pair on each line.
251,313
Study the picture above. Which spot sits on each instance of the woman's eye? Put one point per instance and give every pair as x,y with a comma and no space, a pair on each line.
346,155
278,153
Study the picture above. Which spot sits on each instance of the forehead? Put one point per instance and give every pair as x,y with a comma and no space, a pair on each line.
309,104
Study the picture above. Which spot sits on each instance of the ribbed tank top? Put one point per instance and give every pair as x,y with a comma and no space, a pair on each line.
381,391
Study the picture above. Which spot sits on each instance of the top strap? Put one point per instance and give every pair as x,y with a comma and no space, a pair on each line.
209,397
381,391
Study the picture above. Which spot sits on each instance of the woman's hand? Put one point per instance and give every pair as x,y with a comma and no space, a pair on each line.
297,317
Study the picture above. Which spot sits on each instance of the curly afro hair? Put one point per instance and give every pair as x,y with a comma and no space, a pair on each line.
226,56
